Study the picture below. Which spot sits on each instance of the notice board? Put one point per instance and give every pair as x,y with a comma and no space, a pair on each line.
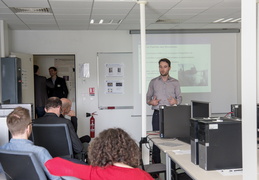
115,80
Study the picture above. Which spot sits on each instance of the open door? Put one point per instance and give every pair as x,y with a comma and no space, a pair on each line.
27,77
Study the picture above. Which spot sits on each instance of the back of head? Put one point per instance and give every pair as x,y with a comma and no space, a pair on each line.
35,68
18,120
53,102
111,146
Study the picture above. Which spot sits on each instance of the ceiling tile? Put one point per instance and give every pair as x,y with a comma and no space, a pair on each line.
76,14
26,3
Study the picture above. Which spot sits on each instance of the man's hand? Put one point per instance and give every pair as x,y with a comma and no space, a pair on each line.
172,100
154,101
71,113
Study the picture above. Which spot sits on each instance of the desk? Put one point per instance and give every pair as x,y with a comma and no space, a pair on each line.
184,160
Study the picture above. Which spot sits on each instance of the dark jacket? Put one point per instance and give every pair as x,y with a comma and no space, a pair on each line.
40,90
73,121
60,90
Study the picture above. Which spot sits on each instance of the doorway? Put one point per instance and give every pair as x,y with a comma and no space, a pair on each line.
65,65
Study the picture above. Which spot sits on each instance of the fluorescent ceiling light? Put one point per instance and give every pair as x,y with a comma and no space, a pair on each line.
236,20
105,22
219,20
229,19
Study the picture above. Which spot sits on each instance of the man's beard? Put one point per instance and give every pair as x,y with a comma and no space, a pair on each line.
165,74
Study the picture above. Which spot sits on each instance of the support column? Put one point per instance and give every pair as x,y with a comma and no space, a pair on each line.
248,89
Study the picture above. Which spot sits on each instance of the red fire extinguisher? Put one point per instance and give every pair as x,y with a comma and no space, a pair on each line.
92,125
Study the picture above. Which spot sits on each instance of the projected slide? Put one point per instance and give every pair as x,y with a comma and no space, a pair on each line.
207,66
190,64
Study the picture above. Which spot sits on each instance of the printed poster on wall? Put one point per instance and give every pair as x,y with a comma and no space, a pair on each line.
116,70
114,87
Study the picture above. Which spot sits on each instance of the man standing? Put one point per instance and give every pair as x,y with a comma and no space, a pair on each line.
53,108
40,91
60,87
162,90
20,125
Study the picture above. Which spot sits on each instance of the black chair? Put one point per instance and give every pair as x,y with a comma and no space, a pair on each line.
153,169
21,165
54,137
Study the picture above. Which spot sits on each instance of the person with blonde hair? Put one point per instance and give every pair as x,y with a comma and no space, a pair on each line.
112,155
20,125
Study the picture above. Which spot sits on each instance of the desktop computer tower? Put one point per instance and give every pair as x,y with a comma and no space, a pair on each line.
220,144
236,110
174,122
194,138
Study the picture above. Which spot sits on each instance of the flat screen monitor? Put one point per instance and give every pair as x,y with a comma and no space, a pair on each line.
200,109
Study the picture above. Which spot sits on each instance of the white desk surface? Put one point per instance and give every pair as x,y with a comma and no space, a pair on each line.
168,146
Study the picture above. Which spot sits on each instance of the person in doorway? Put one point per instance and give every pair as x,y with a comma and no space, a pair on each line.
20,125
53,108
40,91
66,111
60,87
162,90
112,155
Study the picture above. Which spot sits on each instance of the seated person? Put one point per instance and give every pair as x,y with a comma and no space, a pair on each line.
53,109
20,126
112,155
66,111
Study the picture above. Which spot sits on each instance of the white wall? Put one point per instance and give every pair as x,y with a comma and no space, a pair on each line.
85,45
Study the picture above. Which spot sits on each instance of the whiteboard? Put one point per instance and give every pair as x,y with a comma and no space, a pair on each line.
115,80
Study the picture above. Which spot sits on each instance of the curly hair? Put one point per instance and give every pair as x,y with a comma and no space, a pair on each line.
113,145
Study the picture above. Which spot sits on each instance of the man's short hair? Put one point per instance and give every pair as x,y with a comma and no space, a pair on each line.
54,68
53,102
18,120
35,68
165,60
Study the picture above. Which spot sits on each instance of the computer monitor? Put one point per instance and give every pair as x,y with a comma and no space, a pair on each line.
200,109
26,106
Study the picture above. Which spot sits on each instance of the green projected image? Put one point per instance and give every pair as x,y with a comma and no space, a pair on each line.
190,64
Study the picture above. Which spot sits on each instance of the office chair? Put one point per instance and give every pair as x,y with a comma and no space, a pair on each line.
151,168
21,165
54,137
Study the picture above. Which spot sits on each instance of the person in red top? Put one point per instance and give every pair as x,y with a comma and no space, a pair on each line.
112,155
